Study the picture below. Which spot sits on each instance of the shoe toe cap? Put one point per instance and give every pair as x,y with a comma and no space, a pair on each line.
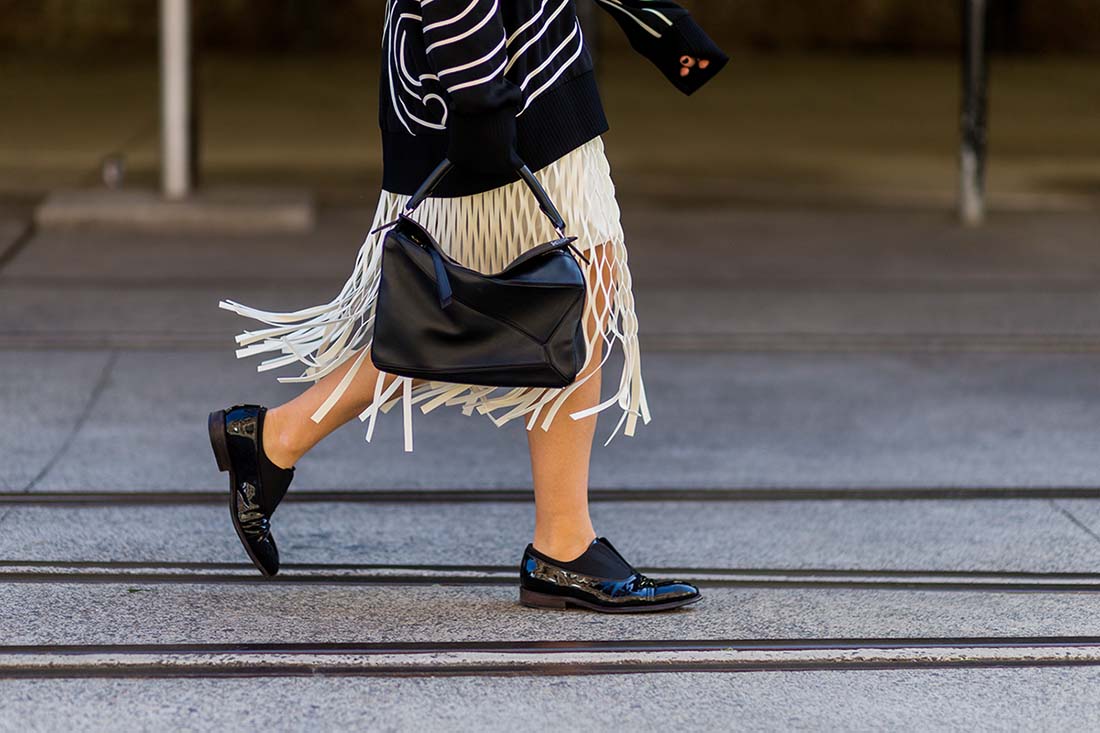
674,590
266,555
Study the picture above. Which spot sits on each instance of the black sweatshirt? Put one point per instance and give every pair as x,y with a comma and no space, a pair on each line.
491,84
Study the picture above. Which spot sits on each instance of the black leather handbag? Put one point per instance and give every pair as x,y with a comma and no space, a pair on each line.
435,319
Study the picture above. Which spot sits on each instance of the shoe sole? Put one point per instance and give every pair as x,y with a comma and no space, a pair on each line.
216,426
531,599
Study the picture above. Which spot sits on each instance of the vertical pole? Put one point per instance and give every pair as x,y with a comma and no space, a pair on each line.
975,82
176,101
194,112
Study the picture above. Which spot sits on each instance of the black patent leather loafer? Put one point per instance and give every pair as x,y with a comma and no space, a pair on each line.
599,580
256,485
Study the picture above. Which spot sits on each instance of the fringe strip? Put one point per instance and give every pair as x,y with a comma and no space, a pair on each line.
324,337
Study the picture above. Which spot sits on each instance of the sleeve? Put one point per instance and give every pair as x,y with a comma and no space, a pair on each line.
663,32
465,44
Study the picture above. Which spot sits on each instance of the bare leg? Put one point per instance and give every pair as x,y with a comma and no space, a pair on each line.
289,430
560,459
559,456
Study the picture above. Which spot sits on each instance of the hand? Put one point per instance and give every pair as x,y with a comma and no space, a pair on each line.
484,143
687,63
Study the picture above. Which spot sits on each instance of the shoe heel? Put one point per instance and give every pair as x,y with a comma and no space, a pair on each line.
531,599
216,426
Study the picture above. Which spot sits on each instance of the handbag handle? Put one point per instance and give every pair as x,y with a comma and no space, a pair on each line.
546,205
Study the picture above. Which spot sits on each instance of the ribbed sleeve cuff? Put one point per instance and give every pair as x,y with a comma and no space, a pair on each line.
686,37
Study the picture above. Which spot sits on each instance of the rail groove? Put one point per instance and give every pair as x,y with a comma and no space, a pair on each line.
460,496
197,573
534,658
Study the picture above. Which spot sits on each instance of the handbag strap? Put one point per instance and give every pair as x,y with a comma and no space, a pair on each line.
546,205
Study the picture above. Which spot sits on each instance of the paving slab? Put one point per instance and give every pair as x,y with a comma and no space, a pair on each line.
804,312
44,396
1002,535
763,420
901,700
64,613
1084,512
715,246
11,232
218,209
731,272
136,258
724,245
159,315
81,315
151,423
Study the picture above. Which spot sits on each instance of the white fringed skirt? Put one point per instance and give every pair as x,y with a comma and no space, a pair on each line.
485,232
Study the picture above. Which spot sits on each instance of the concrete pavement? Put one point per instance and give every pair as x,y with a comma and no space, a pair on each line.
794,354
1005,536
876,350
906,700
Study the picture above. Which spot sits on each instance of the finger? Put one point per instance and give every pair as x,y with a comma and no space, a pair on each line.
703,63
685,71
687,61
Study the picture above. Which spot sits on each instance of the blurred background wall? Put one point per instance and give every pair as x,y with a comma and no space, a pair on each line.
826,96
910,26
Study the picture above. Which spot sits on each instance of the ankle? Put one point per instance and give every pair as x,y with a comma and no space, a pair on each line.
278,447
564,546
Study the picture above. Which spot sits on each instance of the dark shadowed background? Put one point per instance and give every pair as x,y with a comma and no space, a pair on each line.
914,26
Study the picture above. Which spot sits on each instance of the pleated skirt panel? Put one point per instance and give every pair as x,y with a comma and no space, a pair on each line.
485,232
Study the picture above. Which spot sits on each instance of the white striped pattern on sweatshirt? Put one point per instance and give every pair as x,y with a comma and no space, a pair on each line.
435,49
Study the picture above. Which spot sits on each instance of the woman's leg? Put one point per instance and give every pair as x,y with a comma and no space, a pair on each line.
560,456
289,430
